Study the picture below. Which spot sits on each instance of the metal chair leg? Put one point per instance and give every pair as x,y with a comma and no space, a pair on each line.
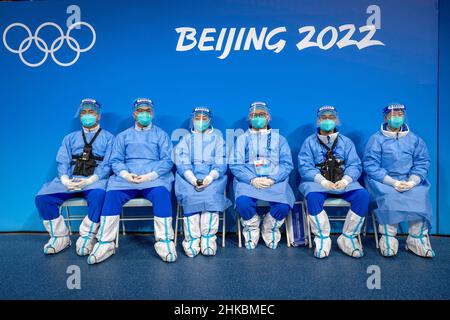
68,219
375,231
117,238
60,210
305,225
176,225
400,228
238,226
287,227
223,228
308,226
182,221
123,223
365,228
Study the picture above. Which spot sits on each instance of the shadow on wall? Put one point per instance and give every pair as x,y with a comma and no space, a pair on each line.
113,121
242,123
360,145
299,135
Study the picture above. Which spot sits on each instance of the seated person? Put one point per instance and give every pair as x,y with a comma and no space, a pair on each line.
396,163
200,183
141,161
329,165
83,171
261,169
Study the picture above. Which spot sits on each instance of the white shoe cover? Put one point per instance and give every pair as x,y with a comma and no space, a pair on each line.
105,247
209,222
164,236
270,231
87,240
348,241
101,252
57,244
59,235
191,242
388,243
251,231
320,227
418,240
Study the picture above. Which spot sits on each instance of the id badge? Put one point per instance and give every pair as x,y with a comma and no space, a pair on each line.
262,167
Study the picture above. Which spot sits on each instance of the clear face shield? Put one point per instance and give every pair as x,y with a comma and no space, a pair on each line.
328,121
143,115
259,119
395,118
89,113
200,121
258,115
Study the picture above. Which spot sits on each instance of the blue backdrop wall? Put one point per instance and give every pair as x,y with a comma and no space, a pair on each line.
139,51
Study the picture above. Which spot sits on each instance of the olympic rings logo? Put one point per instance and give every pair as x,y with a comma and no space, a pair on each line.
54,47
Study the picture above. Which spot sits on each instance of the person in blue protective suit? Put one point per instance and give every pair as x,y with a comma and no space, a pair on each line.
83,171
200,183
141,162
396,163
329,165
261,167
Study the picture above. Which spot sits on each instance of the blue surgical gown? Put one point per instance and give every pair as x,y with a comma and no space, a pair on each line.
201,153
140,152
398,157
73,144
313,153
272,147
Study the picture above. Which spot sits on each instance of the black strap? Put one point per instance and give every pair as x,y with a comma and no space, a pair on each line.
329,151
326,147
93,138
75,157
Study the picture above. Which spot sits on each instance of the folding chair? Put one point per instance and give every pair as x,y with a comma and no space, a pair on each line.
374,225
133,203
335,203
222,217
74,202
259,204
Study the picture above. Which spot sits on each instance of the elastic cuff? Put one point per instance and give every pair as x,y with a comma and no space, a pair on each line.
189,175
348,179
319,178
214,174
153,175
389,180
123,173
415,179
